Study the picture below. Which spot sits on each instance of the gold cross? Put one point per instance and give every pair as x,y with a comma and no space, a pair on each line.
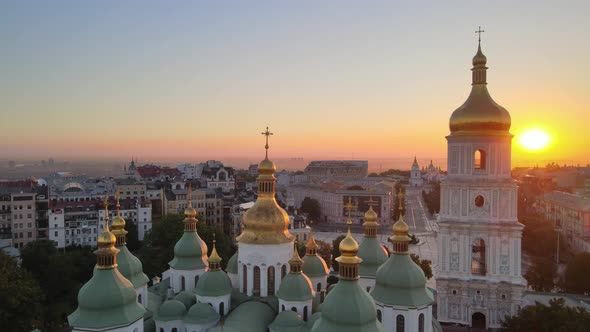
117,195
479,31
371,202
266,133
349,207
400,198
189,195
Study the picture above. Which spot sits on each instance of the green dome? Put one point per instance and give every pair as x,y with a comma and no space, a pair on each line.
287,321
190,253
213,283
186,298
401,282
201,313
232,264
348,308
295,287
171,310
130,267
373,255
241,318
107,299
314,266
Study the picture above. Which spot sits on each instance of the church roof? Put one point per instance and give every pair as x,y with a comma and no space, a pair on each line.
295,287
131,267
201,313
373,255
213,283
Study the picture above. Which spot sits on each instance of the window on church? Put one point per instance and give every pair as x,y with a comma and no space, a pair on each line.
421,323
256,290
271,280
181,282
479,159
379,318
245,279
478,257
400,323
479,200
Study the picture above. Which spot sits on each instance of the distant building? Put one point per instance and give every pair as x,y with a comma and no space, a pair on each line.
332,199
415,175
208,203
336,169
18,217
570,214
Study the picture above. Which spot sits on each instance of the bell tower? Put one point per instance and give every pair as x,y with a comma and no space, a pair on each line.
479,279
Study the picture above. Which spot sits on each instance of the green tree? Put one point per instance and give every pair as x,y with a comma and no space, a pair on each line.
20,294
555,317
575,279
60,276
540,276
312,208
158,247
325,252
133,243
336,251
539,237
424,264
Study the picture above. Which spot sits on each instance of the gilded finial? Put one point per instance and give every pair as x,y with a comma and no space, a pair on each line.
105,203
479,31
295,262
117,195
400,238
267,133
349,207
214,258
106,252
189,212
400,198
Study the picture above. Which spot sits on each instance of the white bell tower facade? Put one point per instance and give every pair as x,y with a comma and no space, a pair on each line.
479,278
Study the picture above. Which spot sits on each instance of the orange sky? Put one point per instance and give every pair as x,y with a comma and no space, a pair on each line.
332,80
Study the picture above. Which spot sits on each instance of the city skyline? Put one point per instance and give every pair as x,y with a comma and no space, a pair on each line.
110,82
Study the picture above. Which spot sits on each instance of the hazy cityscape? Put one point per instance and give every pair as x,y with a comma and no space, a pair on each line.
331,166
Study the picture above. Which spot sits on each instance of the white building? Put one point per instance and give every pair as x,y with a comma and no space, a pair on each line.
479,279
570,214
415,175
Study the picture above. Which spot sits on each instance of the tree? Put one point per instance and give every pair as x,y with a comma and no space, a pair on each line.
20,294
312,208
432,199
555,317
539,237
575,279
60,276
336,251
325,252
540,276
133,243
424,264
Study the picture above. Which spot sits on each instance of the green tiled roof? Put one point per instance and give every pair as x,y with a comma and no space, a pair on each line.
130,267
295,287
190,253
213,283
314,266
373,255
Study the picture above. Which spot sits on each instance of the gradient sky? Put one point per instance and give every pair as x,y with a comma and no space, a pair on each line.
194,79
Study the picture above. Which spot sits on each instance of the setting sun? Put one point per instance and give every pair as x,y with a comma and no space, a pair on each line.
534,139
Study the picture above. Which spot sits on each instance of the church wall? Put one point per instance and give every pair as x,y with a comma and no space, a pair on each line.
262,256
136,326
214,301
189,279
300,307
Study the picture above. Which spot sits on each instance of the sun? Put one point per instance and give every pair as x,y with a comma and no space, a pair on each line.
534,139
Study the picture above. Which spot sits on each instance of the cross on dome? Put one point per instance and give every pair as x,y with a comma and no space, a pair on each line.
479,31
267,133
349,207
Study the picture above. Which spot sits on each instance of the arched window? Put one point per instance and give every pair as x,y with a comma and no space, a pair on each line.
181,283
245,279
174,330
283,271
379,315
368,289
139,298
305,313
400,323
221,308
270,277
479,159
293,309
478,257
161,329
196,280
319,286
421,323
256,290
282,307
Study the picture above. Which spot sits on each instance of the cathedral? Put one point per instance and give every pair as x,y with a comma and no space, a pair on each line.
267,286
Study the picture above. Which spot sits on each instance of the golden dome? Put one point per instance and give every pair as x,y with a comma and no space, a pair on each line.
480,114
118,223
371,215
106,239
295,259
311,244
214,258
266,167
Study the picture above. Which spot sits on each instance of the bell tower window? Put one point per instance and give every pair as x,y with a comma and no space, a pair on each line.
478,257
479,159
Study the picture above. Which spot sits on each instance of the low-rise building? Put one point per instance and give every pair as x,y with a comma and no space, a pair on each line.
332,199
336,169
571,216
